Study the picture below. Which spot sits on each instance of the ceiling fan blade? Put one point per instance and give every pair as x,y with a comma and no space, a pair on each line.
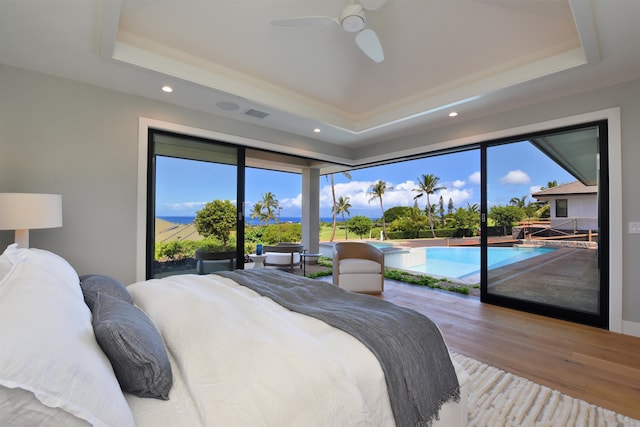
368,42
306,21
372,4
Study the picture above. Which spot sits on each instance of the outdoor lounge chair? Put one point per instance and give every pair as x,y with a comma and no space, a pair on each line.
283,255
358,267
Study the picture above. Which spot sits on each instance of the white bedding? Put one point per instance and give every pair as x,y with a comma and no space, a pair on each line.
238,359
241,359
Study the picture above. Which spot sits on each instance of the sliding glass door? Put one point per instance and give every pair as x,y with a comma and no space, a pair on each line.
544,231
194,192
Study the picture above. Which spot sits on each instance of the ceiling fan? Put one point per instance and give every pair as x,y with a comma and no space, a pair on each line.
352,19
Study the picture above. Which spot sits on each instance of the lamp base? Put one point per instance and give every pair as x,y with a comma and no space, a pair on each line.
22,238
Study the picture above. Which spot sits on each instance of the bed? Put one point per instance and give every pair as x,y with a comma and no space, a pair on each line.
209,350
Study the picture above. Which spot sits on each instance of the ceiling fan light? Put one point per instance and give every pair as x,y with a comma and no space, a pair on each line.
352,18
353,23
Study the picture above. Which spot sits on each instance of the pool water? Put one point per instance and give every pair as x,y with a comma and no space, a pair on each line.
380,245
462,263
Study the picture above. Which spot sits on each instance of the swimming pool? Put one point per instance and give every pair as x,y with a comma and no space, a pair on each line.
326,248
379,245
460,263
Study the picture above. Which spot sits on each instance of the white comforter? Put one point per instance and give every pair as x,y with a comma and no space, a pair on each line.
242,360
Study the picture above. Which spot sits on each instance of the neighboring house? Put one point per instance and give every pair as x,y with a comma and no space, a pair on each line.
573,206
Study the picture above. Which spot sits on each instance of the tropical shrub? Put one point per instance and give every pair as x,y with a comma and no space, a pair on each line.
213,244
464,218
409,224
506,216
283,232
254,233
175,250
217,218
396,212
360,225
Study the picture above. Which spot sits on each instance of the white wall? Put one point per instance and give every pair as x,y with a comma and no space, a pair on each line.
582,206
582,213
81,141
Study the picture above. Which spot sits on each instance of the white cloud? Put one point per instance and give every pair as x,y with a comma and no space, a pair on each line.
295,202
534,189
408,185
355,190
459,197
515,177
184,206
475,177
401,194
458,183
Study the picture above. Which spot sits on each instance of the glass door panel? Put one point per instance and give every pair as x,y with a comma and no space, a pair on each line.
194,204
542,238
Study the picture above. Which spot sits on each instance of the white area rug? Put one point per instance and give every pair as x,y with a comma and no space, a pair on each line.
501,399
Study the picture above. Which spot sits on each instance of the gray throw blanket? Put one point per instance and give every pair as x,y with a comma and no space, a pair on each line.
418,370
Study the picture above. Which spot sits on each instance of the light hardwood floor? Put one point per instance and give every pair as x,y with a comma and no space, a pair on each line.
592,364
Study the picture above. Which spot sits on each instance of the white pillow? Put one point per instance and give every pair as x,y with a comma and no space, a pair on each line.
5,266
52,263
20,408
48,344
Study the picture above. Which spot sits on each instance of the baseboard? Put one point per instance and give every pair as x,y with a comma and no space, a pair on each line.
631,328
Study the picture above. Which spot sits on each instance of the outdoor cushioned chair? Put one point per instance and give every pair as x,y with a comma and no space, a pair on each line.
358,267
283,255
215,261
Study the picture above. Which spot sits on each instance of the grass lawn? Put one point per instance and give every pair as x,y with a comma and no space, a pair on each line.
325,233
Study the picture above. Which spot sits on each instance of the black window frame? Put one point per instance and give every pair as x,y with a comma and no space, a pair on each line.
564,209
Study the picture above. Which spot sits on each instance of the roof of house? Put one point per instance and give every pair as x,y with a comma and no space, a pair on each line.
572,188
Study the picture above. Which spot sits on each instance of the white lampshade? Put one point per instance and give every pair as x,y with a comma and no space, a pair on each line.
24,211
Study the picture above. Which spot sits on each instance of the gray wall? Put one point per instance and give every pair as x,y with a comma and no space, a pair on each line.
59,136
81,141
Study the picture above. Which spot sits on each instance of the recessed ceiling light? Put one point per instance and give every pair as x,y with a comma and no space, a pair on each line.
167,89
317,130
453,114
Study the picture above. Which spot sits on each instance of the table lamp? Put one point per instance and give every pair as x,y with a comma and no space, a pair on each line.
24,211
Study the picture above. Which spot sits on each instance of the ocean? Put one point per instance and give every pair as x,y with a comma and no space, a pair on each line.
189,219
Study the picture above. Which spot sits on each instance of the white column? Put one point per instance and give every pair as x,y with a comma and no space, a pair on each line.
311,209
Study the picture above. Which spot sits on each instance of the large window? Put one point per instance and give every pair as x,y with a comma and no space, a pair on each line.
187,176
580,152
556,267
202,199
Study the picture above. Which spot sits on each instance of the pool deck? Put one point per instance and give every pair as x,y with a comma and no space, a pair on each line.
567,277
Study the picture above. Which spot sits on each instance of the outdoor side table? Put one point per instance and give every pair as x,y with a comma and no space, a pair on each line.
258,260
304,256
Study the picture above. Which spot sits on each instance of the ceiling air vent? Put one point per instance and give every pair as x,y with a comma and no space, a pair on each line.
256,113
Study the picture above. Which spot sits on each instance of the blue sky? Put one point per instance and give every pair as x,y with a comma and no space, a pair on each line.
514,170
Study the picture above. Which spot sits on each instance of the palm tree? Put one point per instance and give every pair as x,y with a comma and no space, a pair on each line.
270,204
341,207
377,190
543,208
520,202
473,208
428,184
333,209
256,212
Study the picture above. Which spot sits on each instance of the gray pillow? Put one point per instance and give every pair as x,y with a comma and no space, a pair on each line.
93,284
134,347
